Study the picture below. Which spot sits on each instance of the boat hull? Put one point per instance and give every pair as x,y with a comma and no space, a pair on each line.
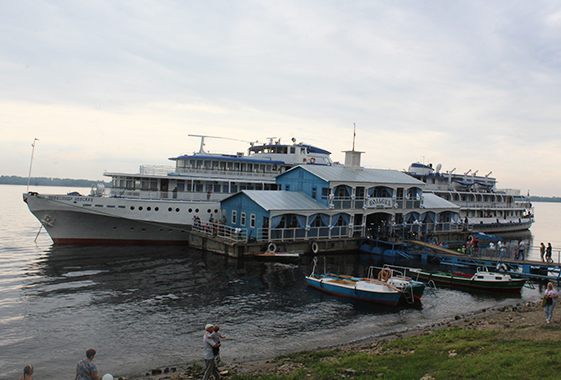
359,290
282,257
101,220
450,279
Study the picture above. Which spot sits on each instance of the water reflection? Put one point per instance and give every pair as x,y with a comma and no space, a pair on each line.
154,302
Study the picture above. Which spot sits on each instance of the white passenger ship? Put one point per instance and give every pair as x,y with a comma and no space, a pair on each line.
159,204
483,206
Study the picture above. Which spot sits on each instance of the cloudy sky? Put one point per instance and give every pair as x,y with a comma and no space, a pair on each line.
110,85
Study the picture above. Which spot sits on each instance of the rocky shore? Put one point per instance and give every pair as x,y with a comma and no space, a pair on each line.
520,321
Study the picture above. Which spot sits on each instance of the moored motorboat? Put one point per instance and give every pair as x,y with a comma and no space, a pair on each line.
364,290
411,290
278,256
483,279
389,286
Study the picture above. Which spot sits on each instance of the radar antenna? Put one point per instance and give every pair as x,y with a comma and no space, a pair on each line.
201,149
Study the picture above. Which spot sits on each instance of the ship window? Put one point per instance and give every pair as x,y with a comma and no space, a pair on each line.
148,208
243,167
314,192
249,167
196,210
145,184
230,165
169,209
234,216
199,187
275,168
132,207
302,150
177,210
215,164
252,220
157,209
121,206
268,168
222,165
234,189
207,164
292,150
216,188
242,219
154,184
236,166
110,206
140,208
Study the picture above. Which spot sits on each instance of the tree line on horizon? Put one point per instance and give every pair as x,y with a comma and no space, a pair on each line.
46,181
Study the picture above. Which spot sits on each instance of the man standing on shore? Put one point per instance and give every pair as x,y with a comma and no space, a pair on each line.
209,344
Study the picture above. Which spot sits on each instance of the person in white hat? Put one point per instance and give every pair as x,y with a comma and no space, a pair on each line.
209,344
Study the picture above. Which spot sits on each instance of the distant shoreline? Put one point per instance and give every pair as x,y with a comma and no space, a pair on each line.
45,181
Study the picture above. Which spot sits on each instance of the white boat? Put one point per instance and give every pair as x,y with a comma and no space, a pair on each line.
483,207
159,204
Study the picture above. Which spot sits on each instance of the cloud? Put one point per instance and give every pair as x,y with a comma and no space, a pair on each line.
115,84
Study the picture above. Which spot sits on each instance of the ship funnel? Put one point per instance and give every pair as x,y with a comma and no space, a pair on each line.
352,159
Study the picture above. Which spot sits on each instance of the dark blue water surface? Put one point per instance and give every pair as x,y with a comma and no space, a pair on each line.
143,307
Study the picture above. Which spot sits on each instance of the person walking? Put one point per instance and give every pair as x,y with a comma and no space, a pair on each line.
542,251
550,296
208,353
548,252
520,255
86,369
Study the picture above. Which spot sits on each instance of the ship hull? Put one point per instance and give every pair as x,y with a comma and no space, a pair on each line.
102,220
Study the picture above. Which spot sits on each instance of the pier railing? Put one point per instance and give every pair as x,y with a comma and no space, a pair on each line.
222,231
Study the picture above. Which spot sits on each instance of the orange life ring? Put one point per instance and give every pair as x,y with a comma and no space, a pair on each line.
384,275
312,160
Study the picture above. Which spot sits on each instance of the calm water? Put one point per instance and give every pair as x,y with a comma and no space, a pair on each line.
145,307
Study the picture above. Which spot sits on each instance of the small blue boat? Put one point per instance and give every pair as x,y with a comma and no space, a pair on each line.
364,290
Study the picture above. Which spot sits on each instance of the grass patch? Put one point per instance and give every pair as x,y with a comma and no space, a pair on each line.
444,354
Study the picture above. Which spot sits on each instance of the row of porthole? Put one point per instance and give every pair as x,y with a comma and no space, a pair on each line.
170,209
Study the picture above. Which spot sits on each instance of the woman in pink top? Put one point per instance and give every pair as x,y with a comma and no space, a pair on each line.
550,296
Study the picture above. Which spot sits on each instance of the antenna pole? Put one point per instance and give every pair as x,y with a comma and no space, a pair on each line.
31,163
354,136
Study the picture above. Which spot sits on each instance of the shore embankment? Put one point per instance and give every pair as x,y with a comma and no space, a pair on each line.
520,322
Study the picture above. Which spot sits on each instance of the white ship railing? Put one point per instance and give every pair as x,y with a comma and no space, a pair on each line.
156,169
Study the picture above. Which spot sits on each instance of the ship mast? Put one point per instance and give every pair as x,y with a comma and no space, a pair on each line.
31,163
354,136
